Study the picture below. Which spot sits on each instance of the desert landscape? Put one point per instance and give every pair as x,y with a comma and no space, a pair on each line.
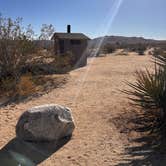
101,111
82,83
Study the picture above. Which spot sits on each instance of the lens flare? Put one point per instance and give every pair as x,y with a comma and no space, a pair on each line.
107,24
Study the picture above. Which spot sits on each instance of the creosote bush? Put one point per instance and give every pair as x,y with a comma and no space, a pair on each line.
138,48
14,48
109,48
19,48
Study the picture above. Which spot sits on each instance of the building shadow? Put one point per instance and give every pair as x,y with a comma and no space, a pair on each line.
20,153
150,149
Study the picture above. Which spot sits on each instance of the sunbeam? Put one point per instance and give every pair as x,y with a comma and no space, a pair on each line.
107,24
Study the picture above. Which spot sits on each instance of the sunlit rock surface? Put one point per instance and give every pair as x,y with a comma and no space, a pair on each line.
45,123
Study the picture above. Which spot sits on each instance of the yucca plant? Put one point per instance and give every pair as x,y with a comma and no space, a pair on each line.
149,91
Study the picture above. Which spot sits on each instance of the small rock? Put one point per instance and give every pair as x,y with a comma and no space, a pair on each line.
45,123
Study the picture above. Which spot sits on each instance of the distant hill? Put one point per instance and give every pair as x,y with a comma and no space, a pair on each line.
124,40
108,40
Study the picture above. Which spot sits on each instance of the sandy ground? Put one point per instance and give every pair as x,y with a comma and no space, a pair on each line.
93,94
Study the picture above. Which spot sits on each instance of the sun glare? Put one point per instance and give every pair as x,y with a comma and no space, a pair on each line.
107,24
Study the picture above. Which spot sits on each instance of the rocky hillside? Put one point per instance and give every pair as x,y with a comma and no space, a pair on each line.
124,40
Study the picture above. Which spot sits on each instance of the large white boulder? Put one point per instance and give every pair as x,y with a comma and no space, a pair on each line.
45,123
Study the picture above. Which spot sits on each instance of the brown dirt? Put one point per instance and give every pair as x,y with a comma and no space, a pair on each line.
98,106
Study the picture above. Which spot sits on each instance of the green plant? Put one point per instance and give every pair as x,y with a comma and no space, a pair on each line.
149,91
141,48
160,55
14,47
108,48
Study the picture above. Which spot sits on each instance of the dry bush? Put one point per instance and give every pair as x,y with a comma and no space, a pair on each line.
45,62
31,85
7,87
45,83
109,48
14,48
139,48
159,51
23,59
64,63
25,86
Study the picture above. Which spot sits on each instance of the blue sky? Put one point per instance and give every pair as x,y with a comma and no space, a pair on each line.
93,17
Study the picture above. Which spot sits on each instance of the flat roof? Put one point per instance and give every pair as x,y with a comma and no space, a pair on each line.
76,36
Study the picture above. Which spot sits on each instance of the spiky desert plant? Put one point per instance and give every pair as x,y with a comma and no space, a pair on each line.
160,57
149,90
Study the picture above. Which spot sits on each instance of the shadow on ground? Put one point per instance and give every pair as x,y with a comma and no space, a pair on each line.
149,149
21,153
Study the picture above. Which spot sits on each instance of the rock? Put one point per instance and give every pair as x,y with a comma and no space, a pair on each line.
45,123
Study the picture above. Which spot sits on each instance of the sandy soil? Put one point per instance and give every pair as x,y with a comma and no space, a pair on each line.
98,106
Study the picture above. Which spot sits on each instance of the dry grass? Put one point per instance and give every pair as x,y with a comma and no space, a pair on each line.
30,86
26,86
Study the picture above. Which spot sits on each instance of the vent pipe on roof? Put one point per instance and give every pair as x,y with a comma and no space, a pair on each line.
68,28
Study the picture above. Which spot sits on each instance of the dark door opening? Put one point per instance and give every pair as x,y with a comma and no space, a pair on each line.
62,46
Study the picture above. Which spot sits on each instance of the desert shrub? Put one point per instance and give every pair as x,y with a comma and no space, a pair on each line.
161,46
108,49
141,49
14,48
149,91
25,86
138,48
65,62
21,54
44,62
7,86
158,52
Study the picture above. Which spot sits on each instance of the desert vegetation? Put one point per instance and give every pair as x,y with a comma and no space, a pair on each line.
107,48
24,56
149,91
138,48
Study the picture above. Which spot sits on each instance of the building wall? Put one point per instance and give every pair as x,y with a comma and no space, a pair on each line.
56,46
79,51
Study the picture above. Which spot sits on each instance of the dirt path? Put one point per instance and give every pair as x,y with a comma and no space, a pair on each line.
94,97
